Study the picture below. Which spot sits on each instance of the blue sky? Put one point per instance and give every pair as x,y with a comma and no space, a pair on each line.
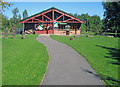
56,0
92,8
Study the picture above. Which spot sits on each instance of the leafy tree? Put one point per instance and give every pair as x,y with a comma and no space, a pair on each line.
5,22
71,14
112,16
3,5
76,15
96,24
19,17
92,23
15,12
25,14
12,22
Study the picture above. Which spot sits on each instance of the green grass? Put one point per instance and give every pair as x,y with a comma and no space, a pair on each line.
0,60
24,62
100,52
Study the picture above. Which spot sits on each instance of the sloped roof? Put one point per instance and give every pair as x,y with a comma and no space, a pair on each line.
50,9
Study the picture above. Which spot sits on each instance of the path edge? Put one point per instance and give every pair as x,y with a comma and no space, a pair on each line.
84,59
47,64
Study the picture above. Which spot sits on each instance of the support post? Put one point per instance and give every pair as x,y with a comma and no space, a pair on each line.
23,27
53,27
53,19
50,25
81,28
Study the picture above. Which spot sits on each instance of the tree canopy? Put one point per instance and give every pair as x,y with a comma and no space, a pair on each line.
15,13
3,5
111,15
92,24
25,14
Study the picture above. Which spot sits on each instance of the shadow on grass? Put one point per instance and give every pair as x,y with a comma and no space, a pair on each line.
109,80
113,54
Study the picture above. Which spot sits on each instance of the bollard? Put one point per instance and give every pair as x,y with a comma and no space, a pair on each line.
14,37
6,33
23,35
72,38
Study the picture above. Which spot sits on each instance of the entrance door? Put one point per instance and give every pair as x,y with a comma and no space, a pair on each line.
67,32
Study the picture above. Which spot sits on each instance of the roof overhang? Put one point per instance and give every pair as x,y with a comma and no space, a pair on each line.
32,19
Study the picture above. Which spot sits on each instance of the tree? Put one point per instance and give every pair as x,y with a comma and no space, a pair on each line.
15,21
3,5
96,24
112,16
15,12
92,23
5,22
76,14
25,14
19,17
71,14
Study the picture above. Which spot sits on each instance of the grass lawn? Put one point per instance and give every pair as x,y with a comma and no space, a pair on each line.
0,59
24,62
101,53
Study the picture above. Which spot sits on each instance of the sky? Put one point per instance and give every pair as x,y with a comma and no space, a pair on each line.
57,0
92,8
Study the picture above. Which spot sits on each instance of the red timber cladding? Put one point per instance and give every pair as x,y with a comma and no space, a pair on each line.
40,32
62,32
73,32
50,31
44,32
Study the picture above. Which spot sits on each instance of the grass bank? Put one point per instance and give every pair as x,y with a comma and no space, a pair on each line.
24,62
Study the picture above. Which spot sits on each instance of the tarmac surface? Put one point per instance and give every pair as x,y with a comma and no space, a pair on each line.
66,66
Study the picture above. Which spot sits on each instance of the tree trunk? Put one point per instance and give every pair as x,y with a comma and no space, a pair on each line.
116,33
75,31
105,32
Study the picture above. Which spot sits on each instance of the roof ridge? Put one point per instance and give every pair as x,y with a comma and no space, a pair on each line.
50,9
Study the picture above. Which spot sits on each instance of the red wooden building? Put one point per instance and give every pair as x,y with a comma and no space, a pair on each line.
53,21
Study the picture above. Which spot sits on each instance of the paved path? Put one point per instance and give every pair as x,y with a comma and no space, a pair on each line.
66,66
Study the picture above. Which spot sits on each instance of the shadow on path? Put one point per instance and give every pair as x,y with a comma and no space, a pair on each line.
104,77
90,72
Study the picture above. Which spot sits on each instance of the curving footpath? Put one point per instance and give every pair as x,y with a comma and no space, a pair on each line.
66,66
